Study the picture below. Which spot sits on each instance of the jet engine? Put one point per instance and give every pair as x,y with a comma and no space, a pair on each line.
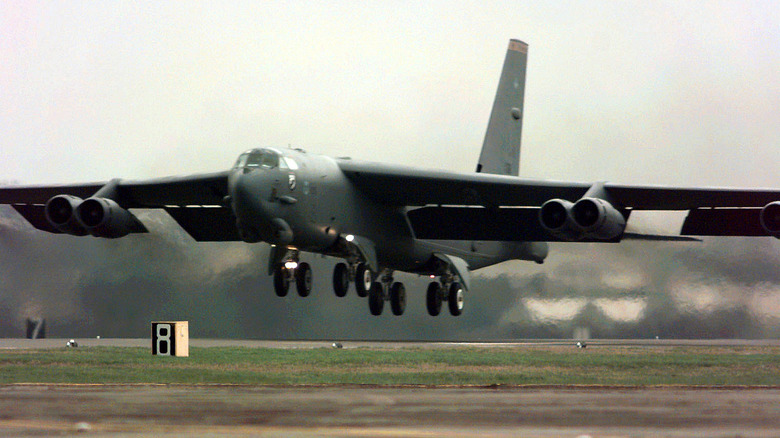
770,218
555,216
103,217
60,212
587,219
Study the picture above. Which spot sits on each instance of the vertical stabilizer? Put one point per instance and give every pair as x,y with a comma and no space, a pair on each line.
501,150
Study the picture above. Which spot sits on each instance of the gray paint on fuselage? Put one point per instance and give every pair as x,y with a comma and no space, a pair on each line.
327,205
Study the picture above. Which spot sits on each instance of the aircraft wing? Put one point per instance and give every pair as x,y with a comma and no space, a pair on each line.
195,202
453,206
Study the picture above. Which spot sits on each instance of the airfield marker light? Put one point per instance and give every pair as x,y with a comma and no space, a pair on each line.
432,277
291,265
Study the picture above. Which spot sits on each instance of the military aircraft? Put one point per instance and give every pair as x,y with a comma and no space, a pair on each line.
381,219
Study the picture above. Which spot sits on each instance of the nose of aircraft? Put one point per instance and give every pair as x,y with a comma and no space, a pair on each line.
246,202
253,203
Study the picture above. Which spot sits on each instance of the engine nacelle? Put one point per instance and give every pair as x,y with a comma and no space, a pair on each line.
60,211
103,217
587,219
770,218
555,216
597,219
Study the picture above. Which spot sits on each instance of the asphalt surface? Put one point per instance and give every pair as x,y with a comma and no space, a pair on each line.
358,411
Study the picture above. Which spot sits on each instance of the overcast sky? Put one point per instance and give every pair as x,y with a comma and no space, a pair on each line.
678,93
633,92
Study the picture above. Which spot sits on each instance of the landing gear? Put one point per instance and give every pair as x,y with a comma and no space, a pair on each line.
341,279
387,290
288,270
303,279
398,298
376,298
433,299
447,290
359,272
455,300
363,279
281,280
381,287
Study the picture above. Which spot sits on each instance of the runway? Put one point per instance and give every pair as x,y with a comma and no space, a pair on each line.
368,411
357,412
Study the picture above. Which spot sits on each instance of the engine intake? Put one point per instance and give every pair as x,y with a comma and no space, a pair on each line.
555,216
60,212
770,218
587,219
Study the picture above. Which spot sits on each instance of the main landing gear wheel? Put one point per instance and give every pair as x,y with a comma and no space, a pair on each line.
303,279
398,298
341,279
281,280
376,298
363,279
455,300
433,299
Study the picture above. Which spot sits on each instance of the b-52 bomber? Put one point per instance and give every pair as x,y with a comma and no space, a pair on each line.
381,219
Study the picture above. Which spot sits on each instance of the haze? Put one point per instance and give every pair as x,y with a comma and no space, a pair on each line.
678,93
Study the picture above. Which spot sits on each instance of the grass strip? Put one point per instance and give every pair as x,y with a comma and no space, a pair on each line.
604,365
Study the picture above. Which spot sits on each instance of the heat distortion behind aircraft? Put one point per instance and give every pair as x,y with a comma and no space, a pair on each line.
381,219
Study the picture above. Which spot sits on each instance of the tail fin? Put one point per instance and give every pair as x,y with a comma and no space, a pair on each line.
501,150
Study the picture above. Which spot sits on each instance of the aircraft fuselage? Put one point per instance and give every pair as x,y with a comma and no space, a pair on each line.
301,200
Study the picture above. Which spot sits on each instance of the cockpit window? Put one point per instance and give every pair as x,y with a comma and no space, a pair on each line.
254,159
241,162
269,160
258,158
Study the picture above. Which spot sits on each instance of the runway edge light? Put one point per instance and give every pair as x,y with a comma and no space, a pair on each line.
170,338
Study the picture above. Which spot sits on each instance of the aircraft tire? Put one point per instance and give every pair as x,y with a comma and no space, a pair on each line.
363,279
398,298
376,299
303,279
455,300
281,281
340,279
433,299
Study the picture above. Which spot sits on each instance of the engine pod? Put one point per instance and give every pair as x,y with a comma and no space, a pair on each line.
597,219
770,218
555,217
60,211
103,217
